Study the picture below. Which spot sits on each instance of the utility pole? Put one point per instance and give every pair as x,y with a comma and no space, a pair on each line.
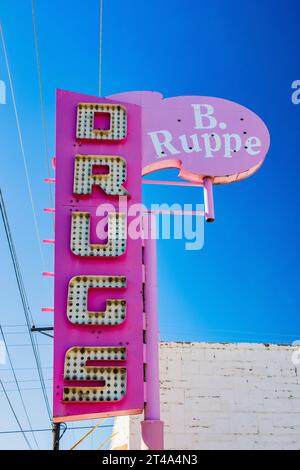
55,436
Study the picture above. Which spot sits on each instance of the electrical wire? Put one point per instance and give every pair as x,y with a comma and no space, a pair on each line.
25,304
17,384
63,432
24,345
245,332
42,104
26,389
100,46
22,147
200,329
16,417
49,429
26,368
23,381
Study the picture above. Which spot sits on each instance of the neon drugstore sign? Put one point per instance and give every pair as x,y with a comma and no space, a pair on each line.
98,320
103,147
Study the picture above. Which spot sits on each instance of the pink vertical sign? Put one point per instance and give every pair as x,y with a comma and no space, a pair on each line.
98,325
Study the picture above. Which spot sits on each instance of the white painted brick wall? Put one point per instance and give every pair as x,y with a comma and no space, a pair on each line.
224,396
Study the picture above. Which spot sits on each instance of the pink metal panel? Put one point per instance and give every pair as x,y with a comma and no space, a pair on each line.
67,335
152,428
172,183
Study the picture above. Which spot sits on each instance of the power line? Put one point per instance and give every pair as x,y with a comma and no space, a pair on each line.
16,326
245,332
18,387
15,332
26,368
14,257
100,47
16,418
22,147
42,105
25,304
60,436
26,345
24,389
49,429
200,328
24,381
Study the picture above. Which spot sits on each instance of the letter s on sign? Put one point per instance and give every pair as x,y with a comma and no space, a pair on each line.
98,364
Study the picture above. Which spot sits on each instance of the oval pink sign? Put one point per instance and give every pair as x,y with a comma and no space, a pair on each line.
200,135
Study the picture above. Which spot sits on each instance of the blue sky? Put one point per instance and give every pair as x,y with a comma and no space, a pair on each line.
244,284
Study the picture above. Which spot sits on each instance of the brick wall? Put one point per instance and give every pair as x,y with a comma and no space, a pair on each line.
224,396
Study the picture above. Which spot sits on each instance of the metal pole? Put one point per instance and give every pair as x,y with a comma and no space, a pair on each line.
209,199
152,428
55,436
